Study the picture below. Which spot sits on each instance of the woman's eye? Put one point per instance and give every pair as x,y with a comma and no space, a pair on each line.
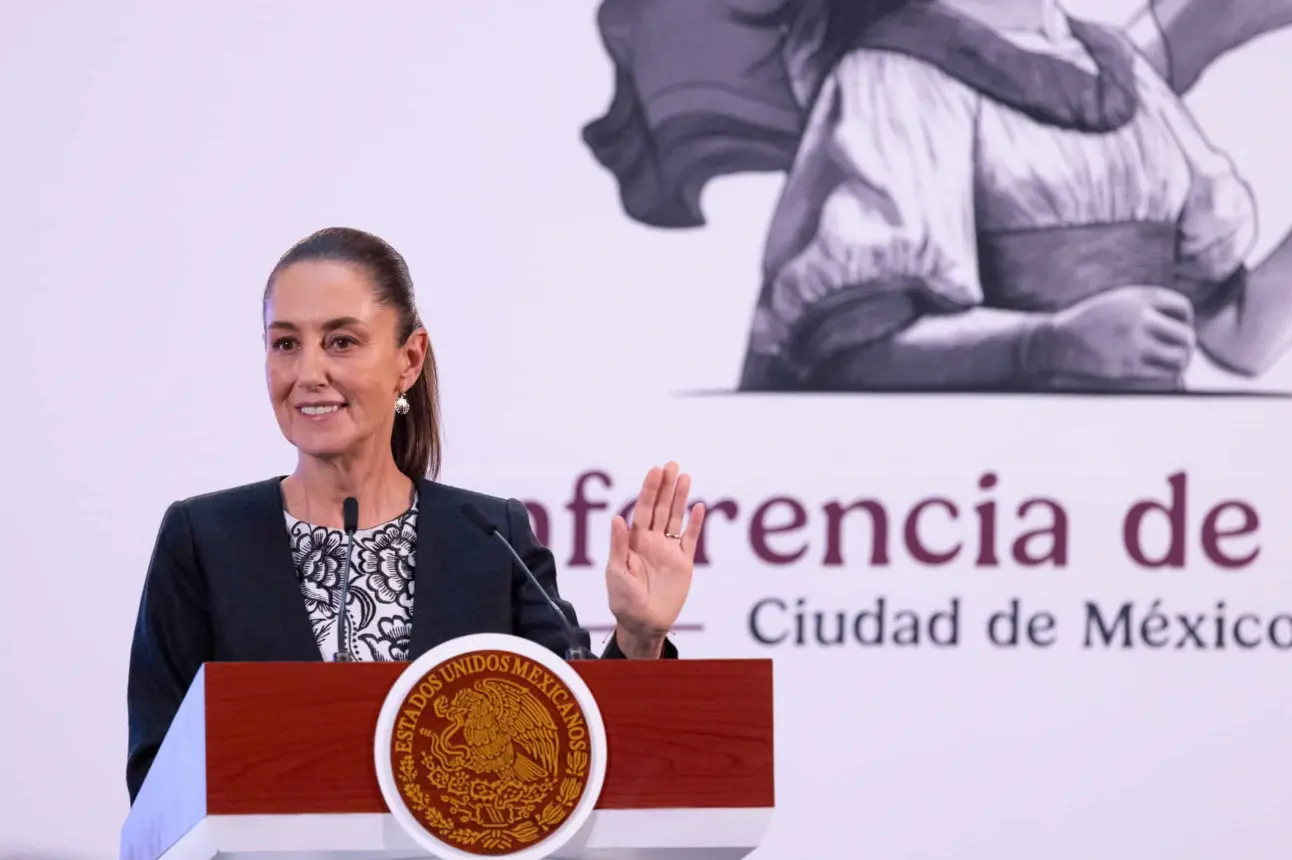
342,342
284,343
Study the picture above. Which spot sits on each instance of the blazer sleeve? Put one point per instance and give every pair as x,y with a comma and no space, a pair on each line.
532,617
172,639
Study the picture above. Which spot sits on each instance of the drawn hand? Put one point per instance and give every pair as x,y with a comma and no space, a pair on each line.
1131,332
648,574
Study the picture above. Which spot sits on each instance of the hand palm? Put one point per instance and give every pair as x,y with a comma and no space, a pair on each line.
649,572
647,589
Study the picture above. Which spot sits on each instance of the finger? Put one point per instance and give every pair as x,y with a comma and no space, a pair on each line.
664,498
678,509
1172,304
646,499
1165,358
619,542
1170,331
691,537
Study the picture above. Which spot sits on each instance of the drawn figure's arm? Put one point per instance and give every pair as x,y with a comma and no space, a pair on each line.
1243,315
1181,38
1252,328
873,266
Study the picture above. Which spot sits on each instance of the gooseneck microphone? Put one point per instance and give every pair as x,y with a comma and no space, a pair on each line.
575,651
349,522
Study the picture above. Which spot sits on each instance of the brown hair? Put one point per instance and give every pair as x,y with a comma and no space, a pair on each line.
415,441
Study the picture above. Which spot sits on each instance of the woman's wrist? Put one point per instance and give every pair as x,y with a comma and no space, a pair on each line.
639,645
1035,353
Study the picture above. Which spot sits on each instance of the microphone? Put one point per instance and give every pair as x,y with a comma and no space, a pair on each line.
349,522
480,521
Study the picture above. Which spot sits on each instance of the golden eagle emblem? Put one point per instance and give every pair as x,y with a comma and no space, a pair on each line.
491,752
503,731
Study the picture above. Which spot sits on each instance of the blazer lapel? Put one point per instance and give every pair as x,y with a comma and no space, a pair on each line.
439,600
275,600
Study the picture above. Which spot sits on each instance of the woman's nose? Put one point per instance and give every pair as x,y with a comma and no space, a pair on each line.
311,366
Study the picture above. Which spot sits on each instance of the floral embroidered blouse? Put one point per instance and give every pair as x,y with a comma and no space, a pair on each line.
380,605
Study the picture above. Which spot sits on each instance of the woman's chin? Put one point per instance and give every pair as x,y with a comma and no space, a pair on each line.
323,445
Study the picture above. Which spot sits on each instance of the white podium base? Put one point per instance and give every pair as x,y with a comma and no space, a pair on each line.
611,834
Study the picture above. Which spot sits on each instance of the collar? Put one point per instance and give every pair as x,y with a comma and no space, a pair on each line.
1045,87
1054,23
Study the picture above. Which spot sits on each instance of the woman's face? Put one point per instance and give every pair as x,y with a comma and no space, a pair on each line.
333,361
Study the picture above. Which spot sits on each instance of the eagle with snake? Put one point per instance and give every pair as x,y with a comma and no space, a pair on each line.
496,727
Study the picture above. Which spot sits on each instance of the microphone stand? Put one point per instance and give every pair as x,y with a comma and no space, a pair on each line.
573,651
350,518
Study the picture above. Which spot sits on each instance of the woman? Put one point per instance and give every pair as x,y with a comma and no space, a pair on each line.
984,194
991,195
253,573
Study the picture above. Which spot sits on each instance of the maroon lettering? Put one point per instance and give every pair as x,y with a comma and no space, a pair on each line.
911,532
1213,533
581,507
1173,512
1056,548
759,529
987,524
834,515
729,509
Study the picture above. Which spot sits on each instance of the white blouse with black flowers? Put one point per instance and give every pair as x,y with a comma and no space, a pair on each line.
380,604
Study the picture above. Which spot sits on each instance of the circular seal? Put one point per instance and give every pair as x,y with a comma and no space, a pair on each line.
490,745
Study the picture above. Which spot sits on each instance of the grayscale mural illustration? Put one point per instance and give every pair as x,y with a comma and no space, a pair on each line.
986,195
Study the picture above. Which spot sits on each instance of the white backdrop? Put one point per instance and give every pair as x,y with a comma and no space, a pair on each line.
158,157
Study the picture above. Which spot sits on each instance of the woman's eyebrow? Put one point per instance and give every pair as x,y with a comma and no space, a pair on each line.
339,322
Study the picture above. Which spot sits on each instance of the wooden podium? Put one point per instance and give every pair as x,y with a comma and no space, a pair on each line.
276,760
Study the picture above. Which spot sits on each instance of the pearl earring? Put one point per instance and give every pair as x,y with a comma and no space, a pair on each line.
401,405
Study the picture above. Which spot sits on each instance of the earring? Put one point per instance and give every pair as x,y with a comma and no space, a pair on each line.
401,405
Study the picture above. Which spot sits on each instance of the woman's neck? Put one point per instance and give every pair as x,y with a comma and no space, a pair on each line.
315,492
1016,15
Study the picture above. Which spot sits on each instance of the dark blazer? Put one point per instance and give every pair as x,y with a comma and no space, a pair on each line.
222,586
